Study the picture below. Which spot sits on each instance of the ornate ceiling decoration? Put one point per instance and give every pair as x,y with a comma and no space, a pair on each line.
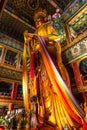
63,3
33,4
18,15
25,8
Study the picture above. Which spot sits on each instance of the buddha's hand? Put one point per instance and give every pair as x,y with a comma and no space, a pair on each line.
27,36
37,44
37,47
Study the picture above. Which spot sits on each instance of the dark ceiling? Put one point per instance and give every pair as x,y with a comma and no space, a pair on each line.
18,15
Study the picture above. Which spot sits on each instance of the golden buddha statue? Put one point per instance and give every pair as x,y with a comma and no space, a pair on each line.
55,102
45,29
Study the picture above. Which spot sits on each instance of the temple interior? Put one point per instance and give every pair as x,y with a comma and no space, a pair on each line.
43,64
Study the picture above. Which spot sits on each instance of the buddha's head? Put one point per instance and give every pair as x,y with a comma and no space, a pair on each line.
40,17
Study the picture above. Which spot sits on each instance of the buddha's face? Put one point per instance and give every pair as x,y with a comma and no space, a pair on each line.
39,21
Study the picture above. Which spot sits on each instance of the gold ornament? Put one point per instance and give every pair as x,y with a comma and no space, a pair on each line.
33,4
40,12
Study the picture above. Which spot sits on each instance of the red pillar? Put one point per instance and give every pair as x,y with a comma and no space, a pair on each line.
14,90
78,78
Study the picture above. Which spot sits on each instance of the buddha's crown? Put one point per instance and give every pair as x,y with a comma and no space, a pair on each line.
40,12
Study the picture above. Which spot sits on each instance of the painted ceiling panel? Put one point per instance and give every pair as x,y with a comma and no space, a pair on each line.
19,14
26,8
63,3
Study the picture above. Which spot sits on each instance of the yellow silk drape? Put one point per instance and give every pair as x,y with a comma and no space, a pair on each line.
65,111
25,79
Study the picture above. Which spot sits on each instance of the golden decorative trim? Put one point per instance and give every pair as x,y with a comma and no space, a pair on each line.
7,101
10,80
79,89
40,12
81,58
10,48
32,4
84,6
78,58
11,67
10,74
76,40
8,66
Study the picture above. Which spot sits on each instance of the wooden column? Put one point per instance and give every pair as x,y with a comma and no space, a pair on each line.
3,55
68,34
78,78
14,90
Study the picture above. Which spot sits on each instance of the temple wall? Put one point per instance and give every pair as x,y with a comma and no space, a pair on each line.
74,52
10,71
72,9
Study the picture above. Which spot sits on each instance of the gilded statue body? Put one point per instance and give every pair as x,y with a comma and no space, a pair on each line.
53,93
45,29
